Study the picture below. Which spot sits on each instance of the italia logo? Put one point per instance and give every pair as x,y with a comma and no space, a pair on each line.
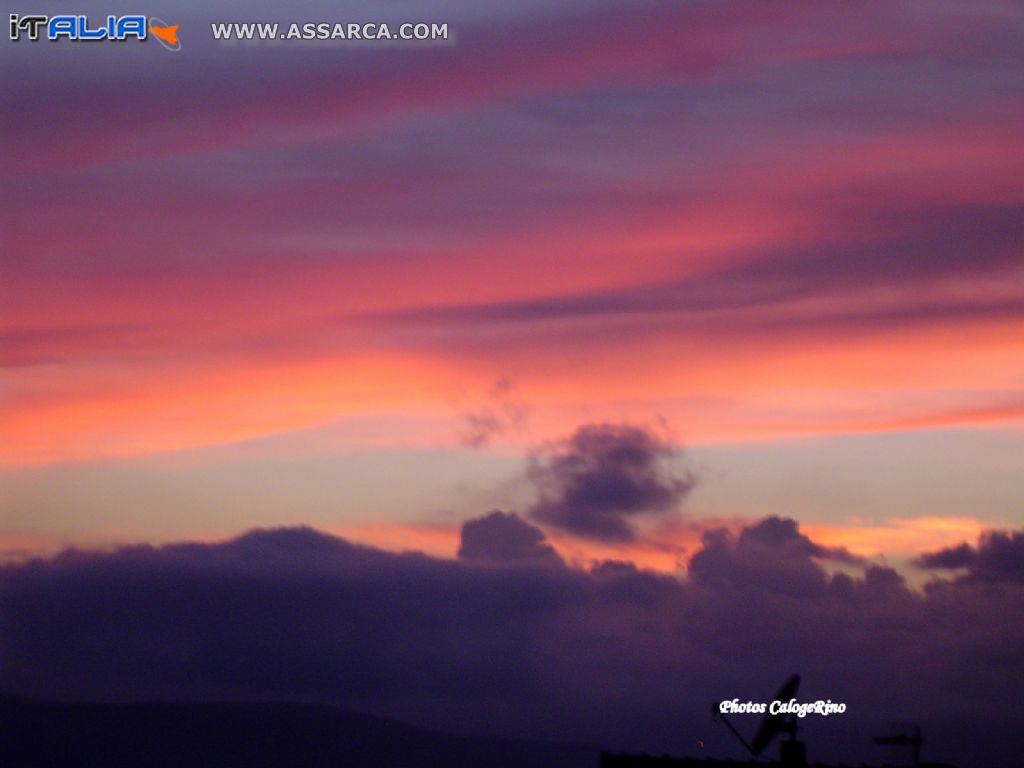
79,28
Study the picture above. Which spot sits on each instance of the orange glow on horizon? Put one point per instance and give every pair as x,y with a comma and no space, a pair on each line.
898,536
800,389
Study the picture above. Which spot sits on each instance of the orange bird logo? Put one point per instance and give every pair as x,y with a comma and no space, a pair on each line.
166,33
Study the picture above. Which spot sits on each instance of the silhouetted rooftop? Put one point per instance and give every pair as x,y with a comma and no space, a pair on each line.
609,760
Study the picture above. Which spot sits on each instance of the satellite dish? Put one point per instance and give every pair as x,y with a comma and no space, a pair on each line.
773,725
791,751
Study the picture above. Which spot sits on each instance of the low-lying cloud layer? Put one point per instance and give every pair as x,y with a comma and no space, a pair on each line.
772,554
998,557
509,639
505,537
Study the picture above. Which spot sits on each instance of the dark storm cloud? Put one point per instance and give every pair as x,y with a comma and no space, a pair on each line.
602,477
999,556
614,656
505,537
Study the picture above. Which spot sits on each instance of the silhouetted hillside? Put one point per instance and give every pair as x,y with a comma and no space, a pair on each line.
194,735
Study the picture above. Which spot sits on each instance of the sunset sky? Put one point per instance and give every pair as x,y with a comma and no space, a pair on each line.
685,341
358,286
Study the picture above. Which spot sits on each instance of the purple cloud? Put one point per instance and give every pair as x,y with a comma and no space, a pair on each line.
613,656
505,537
604,476
772,554
999,556
924,244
